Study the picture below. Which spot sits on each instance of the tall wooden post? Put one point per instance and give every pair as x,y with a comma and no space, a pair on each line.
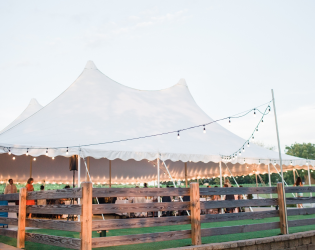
110,173
22,217
86,216
186,181
282,207
195,214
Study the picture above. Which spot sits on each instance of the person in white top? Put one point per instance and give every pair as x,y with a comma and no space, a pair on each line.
11,188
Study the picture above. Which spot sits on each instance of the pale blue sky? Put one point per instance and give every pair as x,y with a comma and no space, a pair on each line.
231,54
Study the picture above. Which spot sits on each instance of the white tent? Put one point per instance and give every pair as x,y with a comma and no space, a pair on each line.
96,116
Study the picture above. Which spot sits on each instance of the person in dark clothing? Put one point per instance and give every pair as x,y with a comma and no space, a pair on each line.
229,197
166,199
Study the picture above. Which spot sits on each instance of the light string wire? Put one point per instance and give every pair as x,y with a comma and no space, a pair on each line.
235,116
266,112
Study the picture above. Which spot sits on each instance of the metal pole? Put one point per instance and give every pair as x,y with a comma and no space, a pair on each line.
269,177
294,176
158,179
309,178
186,181
31,166
110,173
220,165
280,157
79,179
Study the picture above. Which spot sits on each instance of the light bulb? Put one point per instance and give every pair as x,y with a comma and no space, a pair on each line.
178,136
53,158
243,149
229,121
67,152
253,138
240,153
302,170
254,112
13,158
256,130
34,159
47,152
291,162
306,163
248,144
9,152
27,152
262,121
204,129
269,109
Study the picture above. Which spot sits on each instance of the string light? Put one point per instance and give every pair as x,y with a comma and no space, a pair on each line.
240,153
53,158
248,144
269,108
253,138
67,151
13,158
229,121
262,121
204,129
256,130
9,152
254,112
243,149
27,152
178,136
34,159
47,152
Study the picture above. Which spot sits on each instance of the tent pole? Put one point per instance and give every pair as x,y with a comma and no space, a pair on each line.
309,179
181,199
158,179
79,179
280,157
31,167
110,173
220,165
256,181
88,169
250,208
186,181
89,176
269,177
294,176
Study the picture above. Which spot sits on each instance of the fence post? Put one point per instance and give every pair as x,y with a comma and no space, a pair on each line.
20,241
282,207
86,216
195,214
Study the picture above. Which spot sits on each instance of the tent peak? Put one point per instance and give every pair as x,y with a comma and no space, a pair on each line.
182,81
90,65
34,102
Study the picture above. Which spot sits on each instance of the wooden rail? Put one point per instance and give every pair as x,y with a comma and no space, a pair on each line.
86,210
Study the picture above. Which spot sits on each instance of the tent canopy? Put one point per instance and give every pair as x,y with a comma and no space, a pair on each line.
95,115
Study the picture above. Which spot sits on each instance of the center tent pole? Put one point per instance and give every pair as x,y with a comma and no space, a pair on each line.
286,228
220,165
79,179
186,181
158,179
269,177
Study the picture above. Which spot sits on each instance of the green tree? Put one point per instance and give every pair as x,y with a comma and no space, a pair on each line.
304,150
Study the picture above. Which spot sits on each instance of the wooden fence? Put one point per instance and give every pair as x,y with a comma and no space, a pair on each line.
87,225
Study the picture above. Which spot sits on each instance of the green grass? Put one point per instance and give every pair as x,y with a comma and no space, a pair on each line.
168,244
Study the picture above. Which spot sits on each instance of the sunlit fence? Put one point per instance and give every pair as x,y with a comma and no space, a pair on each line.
86,210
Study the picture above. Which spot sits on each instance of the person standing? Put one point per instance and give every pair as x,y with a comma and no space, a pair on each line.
30,188
299,183
11,188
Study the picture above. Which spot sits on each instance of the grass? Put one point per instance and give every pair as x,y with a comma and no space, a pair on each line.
168,244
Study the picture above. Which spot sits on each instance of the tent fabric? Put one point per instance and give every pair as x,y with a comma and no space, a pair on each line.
31,109
92,115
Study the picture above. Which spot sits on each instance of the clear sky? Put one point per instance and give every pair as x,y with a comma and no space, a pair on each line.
231,53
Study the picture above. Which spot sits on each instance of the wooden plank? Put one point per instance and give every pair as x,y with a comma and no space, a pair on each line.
8,233
239,229
55,194
139,207
11,209
305,189
54,209
282,208
20,241
140,238
73,226
299,211
139,222
9,197
239,216
59,241
300,200
86,216
304,222
139,192
195,214
9,221
237,203
238,190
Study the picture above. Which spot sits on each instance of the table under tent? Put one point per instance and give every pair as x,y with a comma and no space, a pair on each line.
124,135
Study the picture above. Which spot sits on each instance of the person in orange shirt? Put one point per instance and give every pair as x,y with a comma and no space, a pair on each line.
30,188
